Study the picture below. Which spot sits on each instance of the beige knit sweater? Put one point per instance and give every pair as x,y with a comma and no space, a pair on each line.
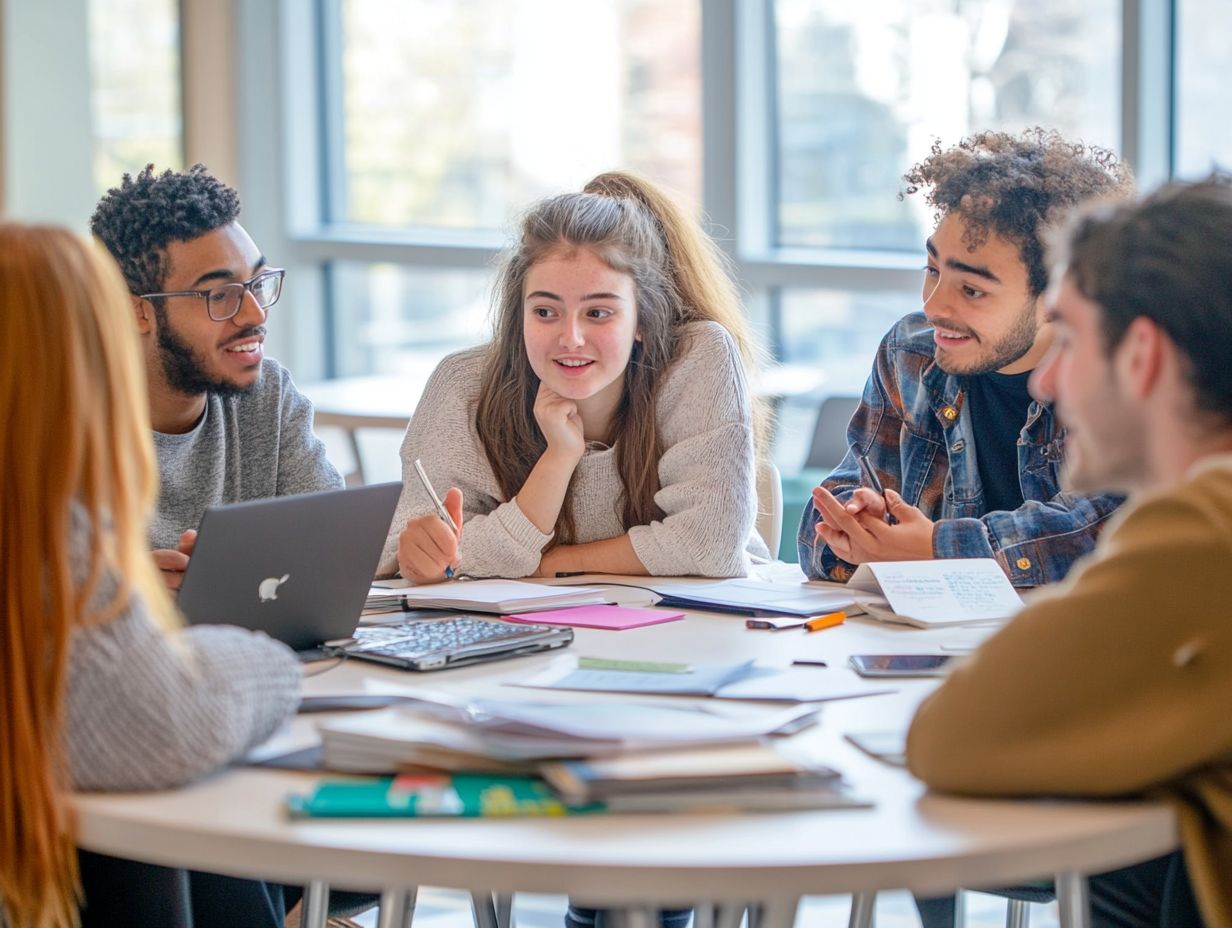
706,474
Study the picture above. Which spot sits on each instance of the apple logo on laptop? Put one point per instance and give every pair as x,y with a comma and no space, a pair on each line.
268,588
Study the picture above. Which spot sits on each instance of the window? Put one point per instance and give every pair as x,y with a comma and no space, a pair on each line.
1203,129
419,129
391,319
135,64
863,89
457,115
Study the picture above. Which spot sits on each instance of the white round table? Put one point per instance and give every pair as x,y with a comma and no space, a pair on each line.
234,822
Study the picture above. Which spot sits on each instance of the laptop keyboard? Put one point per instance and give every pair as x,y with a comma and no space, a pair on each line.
436,635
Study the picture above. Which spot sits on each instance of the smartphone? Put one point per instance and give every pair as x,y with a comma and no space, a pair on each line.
901,665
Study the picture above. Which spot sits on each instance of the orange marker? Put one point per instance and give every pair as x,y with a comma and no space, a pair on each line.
829,620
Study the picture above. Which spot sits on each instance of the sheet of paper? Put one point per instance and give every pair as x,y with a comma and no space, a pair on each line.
946,591
800,684
724,681
697,680
609,617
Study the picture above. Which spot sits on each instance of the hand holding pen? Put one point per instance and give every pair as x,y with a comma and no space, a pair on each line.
428,546
873,482
873,524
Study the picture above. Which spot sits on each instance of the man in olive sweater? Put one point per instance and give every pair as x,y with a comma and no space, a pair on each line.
1118,681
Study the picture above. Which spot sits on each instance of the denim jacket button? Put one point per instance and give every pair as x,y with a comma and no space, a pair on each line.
1023,563
958,446
949,414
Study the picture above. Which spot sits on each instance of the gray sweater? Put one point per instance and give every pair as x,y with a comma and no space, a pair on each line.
251,446
706,473
148,709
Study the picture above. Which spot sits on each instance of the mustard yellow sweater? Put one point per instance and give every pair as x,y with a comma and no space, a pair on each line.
1116,682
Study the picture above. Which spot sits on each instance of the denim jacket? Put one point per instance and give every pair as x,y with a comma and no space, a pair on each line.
915,427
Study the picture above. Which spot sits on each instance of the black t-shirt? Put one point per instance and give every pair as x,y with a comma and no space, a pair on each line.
998,404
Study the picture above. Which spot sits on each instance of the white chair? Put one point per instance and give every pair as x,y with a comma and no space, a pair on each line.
769,506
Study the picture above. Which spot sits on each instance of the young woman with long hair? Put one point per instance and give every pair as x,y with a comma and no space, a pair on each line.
607,426
100,688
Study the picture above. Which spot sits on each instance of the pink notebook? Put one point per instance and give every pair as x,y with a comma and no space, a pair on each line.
610,617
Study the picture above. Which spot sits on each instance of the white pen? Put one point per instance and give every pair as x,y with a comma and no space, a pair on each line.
436,501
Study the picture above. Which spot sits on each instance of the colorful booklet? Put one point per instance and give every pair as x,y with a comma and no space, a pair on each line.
463,795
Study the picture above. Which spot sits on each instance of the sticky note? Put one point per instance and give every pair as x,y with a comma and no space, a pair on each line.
609,617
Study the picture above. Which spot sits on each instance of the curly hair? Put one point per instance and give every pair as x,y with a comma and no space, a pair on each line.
1017,187
141,217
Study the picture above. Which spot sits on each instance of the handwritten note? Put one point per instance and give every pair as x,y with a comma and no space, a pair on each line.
940,592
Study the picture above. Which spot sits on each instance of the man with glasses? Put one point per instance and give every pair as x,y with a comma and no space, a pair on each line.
229,424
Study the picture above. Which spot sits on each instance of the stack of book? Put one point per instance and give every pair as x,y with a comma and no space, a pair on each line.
760,776
585,756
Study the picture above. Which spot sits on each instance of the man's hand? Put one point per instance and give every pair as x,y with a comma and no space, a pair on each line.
427,545
172,563
857,532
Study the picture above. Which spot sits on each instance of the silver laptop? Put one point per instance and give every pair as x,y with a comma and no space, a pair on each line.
299,569
295,567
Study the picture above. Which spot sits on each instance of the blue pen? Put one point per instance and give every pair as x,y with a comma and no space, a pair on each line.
440,507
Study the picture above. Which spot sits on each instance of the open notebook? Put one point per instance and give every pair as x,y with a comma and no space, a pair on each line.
932,594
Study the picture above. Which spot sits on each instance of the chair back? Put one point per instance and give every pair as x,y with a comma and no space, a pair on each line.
769,505
829,444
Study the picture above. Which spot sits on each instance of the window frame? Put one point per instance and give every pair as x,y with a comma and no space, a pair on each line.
285,172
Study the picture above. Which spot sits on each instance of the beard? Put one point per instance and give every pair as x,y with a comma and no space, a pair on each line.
186,371
1004,351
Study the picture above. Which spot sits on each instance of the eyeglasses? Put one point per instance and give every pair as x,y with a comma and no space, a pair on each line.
224,301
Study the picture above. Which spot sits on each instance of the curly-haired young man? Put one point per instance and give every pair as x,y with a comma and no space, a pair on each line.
229,424
971,464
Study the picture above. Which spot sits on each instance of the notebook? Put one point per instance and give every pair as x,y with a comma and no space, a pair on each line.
936,593
490,595
295,567
751,597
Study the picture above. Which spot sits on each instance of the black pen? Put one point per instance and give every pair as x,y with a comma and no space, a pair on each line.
874,483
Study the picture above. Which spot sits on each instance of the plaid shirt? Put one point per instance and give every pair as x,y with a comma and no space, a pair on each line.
914,425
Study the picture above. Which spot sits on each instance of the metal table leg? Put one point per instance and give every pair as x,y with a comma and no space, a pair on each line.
397,908
316,904
1073,900
862,905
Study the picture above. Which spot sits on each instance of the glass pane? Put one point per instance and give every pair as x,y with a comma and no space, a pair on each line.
1203,136
391,319
460,114
863,89
135,64
834,334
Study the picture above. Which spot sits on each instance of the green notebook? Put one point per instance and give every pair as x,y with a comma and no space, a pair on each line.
464,795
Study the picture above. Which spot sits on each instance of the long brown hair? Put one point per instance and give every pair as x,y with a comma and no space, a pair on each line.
679,277
75,439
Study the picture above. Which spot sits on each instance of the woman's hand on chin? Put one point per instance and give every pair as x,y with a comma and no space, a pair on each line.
561,423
